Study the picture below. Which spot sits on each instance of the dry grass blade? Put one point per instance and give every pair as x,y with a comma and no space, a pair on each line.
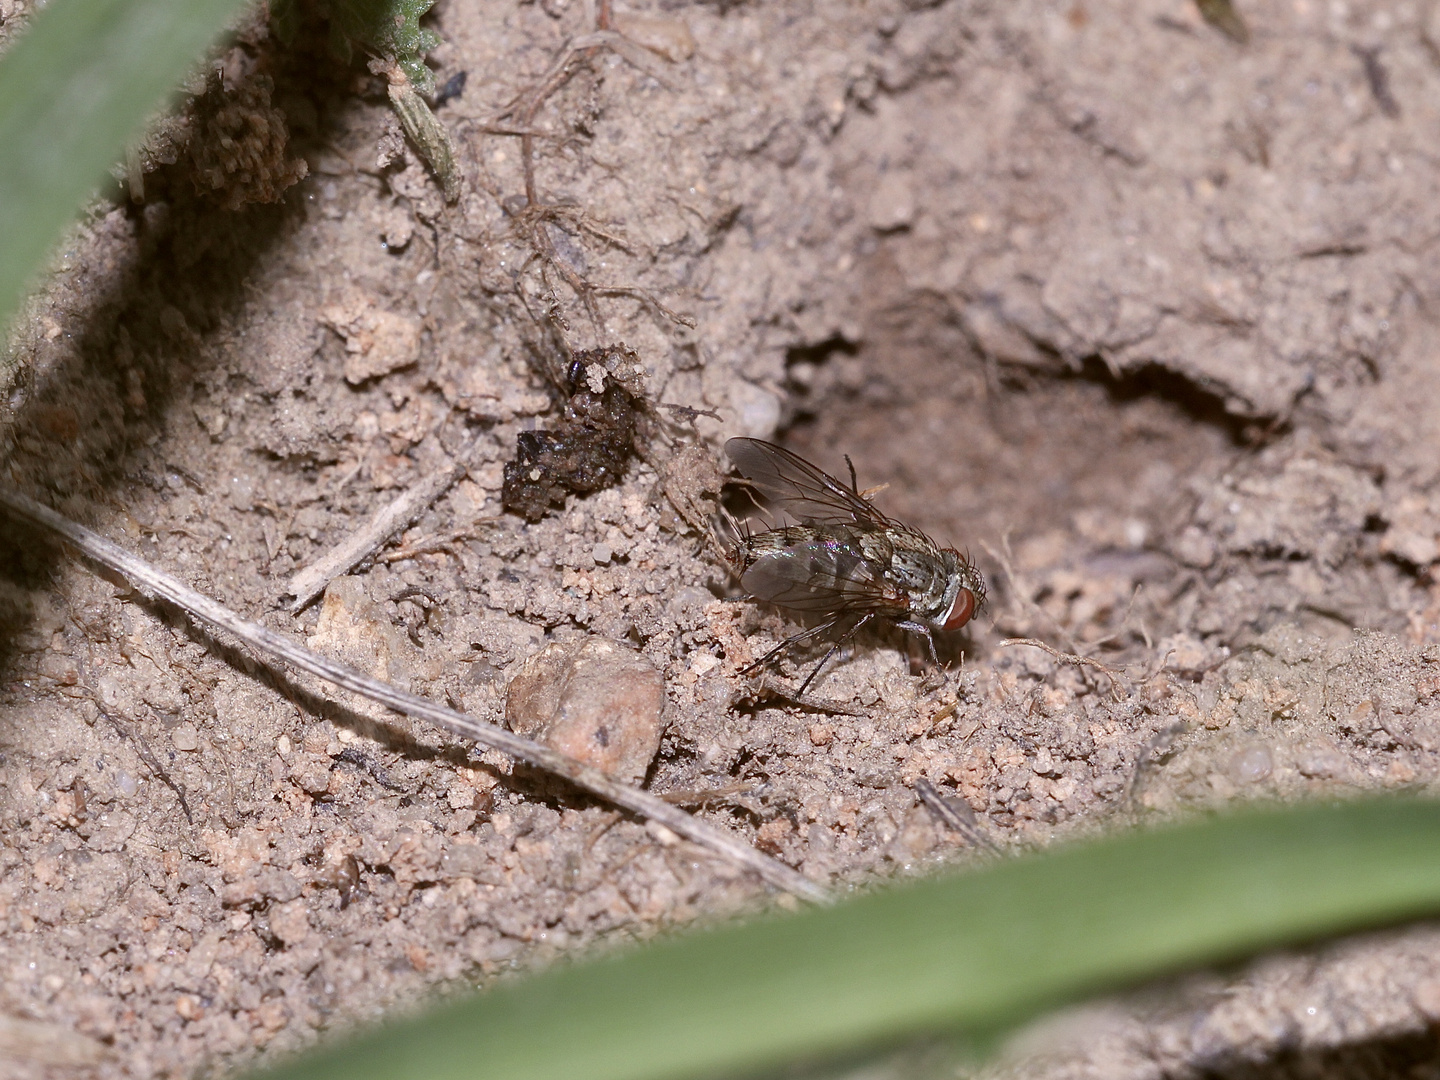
271,645
955,813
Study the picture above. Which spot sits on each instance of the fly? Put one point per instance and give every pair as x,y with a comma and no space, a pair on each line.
844,561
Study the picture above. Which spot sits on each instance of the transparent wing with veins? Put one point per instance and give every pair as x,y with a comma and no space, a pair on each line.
791,484
823,576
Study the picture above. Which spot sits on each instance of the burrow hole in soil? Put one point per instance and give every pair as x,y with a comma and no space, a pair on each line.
1074,466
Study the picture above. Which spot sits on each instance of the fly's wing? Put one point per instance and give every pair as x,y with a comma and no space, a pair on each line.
798,488
822,577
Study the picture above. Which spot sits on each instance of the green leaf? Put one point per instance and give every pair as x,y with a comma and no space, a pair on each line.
389,28
969,952
75,89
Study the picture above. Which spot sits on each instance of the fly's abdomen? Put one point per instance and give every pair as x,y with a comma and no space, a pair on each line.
824,570
752,548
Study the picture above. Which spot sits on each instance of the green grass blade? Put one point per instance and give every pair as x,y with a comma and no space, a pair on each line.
973,951
74,90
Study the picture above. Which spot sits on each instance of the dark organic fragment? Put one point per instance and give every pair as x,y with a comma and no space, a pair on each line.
452,88
590,447
1379,80
1222,15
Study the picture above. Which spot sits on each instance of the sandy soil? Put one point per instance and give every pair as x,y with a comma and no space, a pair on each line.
1140,315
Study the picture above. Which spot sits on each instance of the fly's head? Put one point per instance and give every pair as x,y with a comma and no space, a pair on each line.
964,591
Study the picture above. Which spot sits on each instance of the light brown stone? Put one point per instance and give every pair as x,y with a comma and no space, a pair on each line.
594,700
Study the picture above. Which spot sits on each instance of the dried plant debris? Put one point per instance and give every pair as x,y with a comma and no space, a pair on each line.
592,444
1222,15
390,34
239,145
424,130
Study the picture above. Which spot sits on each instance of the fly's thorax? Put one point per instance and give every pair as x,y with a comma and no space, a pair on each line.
877,545
919,568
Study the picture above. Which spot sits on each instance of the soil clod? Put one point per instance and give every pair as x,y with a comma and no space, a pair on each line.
591,446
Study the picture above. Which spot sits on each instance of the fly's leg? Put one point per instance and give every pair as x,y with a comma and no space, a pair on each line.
854,485
923,631
833,650
804,635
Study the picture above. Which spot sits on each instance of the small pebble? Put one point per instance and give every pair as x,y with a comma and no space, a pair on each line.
1251,764
661,34
290,921
662,835
474,861
1196,548
1183,652
595,700
1044,763
242,492
702,663
185,737
757,410
1319,762
892,203
601,554
188,1008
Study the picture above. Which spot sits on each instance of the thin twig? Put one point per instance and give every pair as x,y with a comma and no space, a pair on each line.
1113,674
525,107
310,581
646,297
955,813
1022,591
429,545
269,643
706,796
636,56
143,751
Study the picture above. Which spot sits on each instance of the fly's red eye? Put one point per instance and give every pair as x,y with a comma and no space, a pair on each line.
960,610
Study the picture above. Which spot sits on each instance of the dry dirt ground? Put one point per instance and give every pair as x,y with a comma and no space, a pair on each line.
1141,314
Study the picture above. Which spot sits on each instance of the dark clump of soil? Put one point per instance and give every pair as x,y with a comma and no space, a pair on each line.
591,445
